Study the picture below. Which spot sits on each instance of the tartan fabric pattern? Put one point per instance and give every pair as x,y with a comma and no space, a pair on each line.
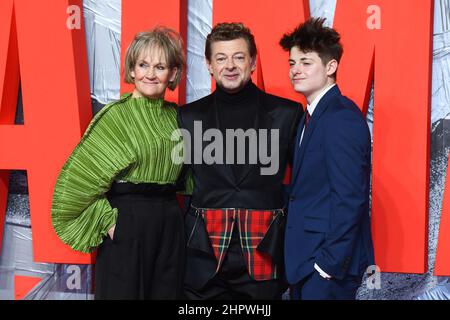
253,225
219,225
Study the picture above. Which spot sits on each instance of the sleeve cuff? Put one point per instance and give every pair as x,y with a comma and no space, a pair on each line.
322,273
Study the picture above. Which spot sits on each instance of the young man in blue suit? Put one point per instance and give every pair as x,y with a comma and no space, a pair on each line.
328,243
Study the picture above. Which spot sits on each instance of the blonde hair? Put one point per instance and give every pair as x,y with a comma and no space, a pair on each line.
165,39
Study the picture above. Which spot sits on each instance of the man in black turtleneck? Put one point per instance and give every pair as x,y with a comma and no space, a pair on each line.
234,226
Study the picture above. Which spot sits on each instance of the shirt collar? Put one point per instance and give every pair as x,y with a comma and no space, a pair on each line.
311,107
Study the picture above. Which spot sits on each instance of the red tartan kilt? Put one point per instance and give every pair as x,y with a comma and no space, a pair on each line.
253,226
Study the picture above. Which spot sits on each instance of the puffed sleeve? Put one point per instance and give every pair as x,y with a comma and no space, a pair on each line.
81,213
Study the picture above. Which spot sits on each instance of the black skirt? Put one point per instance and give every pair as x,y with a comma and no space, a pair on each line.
145,259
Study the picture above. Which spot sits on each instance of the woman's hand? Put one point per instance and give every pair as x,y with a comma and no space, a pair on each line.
111,232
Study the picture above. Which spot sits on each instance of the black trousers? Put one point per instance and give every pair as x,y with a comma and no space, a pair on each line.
145,259
233,282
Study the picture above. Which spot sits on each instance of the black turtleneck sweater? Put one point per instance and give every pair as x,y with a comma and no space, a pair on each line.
237,111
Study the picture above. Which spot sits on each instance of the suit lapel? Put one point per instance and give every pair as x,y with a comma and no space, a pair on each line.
313,122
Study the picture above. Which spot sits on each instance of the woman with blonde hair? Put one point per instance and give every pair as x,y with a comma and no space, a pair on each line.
116,192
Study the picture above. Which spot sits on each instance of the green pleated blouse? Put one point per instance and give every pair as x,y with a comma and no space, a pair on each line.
128,140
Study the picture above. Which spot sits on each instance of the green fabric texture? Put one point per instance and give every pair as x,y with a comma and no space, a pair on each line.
127,140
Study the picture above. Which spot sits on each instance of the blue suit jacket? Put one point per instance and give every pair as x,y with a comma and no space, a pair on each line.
328,212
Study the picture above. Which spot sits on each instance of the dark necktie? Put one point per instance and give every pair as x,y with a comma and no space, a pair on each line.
307,117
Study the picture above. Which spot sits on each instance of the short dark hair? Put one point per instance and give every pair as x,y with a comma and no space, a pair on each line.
312,35
230,31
